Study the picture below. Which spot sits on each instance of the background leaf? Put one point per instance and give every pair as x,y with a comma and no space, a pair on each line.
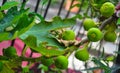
118,21
19,20
9,65
9,4
32,42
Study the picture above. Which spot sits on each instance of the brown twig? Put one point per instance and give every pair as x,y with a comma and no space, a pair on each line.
107,21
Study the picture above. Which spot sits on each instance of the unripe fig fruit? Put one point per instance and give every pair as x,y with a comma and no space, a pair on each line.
110,36
10,52
68,35
46,61
61,62
88,23
82,54
107,9
94,34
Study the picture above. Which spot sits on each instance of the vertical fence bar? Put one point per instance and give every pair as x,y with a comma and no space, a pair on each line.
47,8
118,56
12,43
37,5
61,5
82,23
69,9
82,2
24,1
80,8
4,1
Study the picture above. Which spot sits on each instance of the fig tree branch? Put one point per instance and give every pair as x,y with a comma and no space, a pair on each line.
107,21
101,27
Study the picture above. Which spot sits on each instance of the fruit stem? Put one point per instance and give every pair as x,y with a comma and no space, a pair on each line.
70,50
86,45
30,59
82,42
24,50
107,21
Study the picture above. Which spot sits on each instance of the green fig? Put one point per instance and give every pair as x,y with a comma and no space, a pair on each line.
61,62
107,9
82,54
88,23
110,36
111,26
10,52
94,34
68,35
46,61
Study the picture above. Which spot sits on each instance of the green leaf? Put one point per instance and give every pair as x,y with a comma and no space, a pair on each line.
9,65
1,15
24,24
31,41
38,38
76,5
86,15
43,2
79,16
45,68
8,19
39,16
98,62
25,69
118,21
110,58
18,20
93,68
97,3
4,36
7,69
101,64
11,18
49,52
9,4
41,31
103,53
